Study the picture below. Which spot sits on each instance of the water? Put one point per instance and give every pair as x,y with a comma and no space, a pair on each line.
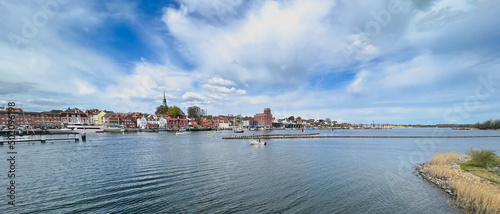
196,173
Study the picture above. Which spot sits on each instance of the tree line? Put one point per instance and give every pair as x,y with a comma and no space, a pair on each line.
490,124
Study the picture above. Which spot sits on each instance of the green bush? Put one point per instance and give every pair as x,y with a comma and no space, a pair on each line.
483,158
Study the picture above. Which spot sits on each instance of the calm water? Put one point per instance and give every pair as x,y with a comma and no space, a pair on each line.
196,173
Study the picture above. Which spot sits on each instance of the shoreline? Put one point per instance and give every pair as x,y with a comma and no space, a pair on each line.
467,192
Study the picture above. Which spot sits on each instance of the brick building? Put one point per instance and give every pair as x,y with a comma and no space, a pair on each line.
47,118
264,119
19,120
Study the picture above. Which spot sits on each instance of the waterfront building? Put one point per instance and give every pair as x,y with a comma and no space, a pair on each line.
223,123
20,118
152,121
127,120
142,122
264,119
209,123
48,118
250,123
74,117
100,117
177,123
93,115
110,118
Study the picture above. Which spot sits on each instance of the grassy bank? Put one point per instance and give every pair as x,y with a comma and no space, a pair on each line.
470,192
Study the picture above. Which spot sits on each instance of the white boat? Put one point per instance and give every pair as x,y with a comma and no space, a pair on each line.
239,130
87,129
258,143
181,133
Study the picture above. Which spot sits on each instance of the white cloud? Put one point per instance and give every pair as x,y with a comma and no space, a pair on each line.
218,89
241,91
193,96
254,49
219,81
150,80
84,87
360,82
219,97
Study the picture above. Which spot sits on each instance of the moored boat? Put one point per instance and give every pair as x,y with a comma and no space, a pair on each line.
86,129
258,143
181,132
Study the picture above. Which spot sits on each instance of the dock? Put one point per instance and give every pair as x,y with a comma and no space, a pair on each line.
44,137
316,135
270,136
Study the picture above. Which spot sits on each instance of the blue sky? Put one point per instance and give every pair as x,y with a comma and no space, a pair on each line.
391,61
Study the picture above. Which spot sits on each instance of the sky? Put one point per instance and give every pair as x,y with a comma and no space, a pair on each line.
388,61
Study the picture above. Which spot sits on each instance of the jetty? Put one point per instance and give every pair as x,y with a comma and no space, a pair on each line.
316,135
270,136
44,137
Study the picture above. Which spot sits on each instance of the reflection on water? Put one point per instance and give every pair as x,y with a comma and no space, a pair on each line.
161,172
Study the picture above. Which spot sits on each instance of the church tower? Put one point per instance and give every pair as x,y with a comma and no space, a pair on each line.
164,100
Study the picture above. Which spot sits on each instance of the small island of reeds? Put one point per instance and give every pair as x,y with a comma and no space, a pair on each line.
472,181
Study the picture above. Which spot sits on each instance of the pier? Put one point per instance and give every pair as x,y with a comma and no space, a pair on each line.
316,135
44,137
270,136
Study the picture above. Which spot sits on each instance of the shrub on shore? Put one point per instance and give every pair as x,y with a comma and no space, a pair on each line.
482,158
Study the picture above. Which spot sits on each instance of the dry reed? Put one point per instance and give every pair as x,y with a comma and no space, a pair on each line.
439,171
475,196
444,158
471,194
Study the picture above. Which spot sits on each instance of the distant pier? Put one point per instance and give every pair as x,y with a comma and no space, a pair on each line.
316,135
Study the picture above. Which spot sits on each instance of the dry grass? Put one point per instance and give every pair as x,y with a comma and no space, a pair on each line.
445,158
439,165
439,171
476,197
471,194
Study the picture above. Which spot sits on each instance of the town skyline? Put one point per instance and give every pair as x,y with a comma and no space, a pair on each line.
397,62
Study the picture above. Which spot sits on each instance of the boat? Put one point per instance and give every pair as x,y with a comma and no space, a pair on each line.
258,143
81,128
181,132
239,130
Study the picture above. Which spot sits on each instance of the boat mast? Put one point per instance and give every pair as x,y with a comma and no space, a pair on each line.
25,121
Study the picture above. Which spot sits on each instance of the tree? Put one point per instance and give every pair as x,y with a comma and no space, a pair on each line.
175,111
291,119
163,110
194,112
327,120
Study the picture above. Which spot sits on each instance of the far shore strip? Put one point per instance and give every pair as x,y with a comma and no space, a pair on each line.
291,136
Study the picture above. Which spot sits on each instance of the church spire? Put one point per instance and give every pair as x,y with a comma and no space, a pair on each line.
164,99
